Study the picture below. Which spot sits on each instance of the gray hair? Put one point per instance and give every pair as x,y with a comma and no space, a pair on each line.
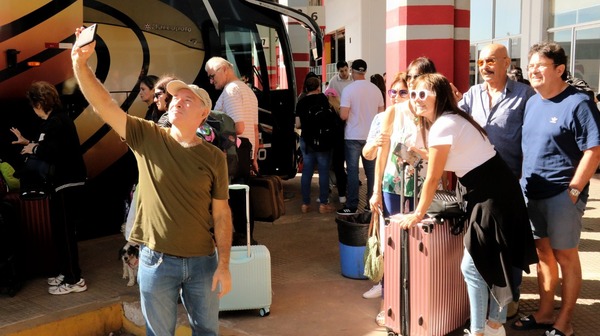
217,62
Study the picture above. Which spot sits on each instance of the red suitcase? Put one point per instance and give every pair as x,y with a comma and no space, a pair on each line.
425,293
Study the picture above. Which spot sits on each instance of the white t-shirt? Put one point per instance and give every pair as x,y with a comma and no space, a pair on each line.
469,149
339,84
239,102
364,99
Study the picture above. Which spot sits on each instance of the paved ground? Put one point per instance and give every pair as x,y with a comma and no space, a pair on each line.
310,296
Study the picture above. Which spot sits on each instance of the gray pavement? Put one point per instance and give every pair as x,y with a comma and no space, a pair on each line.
310,296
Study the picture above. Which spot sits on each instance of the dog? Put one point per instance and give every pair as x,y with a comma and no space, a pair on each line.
129,255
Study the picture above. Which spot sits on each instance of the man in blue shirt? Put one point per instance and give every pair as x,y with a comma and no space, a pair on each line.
561,152
498,105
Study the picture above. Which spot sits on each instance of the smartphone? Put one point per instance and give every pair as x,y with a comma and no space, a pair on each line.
87,36
405,154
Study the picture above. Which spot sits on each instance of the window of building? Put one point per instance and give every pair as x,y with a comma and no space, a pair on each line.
495,21
576,27
567,12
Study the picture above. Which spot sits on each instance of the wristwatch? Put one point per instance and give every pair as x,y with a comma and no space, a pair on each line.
574,192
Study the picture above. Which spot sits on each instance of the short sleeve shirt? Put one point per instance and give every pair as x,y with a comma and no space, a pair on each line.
364,99
556,131
239,102
468,148
175,190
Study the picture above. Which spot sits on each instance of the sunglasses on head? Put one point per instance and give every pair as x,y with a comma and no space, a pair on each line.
420,94
393,93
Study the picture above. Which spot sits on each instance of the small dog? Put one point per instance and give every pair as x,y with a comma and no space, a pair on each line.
129,254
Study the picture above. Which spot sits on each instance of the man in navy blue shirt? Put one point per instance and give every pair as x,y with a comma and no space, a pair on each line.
561,152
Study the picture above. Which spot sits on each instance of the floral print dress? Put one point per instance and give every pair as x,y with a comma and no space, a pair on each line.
405,131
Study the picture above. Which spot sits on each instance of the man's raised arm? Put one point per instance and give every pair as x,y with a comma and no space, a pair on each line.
95,93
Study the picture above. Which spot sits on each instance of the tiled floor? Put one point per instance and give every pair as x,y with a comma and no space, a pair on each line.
310,297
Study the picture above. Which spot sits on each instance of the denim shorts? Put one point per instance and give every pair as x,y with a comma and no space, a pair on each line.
558,218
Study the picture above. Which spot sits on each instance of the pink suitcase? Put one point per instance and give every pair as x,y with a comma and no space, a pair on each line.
424,291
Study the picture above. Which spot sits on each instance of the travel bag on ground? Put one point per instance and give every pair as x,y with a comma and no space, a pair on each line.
266,197
250,268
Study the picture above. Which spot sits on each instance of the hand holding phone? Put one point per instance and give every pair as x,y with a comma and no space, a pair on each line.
87,36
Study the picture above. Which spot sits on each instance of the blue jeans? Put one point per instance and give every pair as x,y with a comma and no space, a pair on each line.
323,161
479,297
162,276
353,154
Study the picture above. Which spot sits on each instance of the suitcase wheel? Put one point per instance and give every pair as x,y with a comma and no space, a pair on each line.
264,312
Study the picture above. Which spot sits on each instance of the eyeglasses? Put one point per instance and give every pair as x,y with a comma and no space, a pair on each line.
488,61
157,94
421,94
409,77
393,93
212,77
540,66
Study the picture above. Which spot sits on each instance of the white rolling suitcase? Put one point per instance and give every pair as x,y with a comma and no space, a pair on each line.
250,268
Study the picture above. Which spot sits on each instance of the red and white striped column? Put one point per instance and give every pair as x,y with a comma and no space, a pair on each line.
438,29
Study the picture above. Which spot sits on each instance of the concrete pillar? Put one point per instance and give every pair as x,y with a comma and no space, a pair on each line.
438,29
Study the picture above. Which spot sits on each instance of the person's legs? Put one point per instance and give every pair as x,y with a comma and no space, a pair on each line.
337,165
159,279
308,169
323,163
353,152
478,294
201,303
570,268
369,167
66,206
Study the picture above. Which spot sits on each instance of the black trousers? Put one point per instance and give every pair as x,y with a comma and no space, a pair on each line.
237,198
66,208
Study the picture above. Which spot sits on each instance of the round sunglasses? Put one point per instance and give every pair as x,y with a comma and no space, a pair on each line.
393,93
420,94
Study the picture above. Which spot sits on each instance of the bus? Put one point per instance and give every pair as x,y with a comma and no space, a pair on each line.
136,38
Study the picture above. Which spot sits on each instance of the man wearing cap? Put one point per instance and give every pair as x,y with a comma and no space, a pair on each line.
361,101
183,187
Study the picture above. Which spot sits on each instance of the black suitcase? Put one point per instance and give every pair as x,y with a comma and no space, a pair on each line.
11,279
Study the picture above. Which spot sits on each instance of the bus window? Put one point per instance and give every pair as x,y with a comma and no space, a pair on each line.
256,56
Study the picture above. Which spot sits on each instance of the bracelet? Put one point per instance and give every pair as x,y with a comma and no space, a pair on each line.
34,150
419,215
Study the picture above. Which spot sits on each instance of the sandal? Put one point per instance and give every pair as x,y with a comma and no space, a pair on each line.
529,323
555,332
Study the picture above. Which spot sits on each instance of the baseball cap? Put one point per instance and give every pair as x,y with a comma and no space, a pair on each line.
177,85
359,65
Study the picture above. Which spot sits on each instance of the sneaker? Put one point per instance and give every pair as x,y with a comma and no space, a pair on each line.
65,288
326,208
346,211
489,331
57,280
305,208
373,293
343,199
380,319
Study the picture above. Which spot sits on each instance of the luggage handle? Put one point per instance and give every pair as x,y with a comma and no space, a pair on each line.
247,189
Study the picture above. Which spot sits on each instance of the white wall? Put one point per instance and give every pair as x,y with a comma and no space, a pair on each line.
364,23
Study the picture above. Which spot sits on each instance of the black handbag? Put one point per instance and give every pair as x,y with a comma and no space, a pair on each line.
36,178
445,206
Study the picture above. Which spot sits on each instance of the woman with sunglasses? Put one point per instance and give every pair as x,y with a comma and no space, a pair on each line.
498,234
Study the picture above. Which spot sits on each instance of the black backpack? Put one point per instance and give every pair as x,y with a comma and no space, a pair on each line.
319,127
224,137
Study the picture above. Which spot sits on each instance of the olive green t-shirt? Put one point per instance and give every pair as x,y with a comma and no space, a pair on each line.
175,189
